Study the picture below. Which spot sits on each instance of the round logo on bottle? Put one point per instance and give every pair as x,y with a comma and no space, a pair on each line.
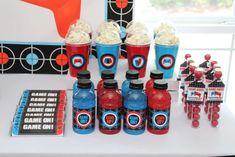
133,119
108,60
138,62
110,119
77,61
83,119
160,119
167,61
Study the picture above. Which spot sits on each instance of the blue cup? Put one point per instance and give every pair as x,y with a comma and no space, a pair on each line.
108,56
165,58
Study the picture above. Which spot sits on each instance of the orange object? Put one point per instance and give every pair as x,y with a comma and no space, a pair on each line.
65,12
121,3
62,59
3,58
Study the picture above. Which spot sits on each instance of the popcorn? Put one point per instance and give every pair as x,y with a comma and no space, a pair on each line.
78,38
164,28
136,27
79,33
109,26
165,35
138,39
167,39
110,37
80,26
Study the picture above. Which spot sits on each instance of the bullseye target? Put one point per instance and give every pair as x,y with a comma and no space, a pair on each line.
7,58
120,7
121,11
59,60
32,59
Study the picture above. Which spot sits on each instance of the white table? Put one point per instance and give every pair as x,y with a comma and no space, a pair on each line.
182,139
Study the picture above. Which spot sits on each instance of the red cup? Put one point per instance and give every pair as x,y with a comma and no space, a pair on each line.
138,57
78,55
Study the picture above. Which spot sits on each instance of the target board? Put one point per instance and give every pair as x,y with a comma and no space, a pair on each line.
121,11
34,59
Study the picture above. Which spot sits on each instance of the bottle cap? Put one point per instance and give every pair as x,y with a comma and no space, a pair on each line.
156,74
110,84
107,74
136,84
160,84
84,83
85,74
132,74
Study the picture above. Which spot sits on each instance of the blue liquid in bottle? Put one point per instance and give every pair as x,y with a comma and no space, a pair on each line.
135,104
84,108
130,75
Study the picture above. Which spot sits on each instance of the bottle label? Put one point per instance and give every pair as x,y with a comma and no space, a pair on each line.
158,119
109,119
83,118
134,119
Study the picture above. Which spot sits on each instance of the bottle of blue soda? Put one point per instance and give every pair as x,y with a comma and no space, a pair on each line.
84,108
85,74
130,75
135,104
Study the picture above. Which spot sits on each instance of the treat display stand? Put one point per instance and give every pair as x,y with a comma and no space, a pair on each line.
182,139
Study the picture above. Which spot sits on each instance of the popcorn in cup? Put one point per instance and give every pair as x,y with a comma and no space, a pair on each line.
108,26
164,28
137,46
136,27
108,48
78,47
166,49
81,26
